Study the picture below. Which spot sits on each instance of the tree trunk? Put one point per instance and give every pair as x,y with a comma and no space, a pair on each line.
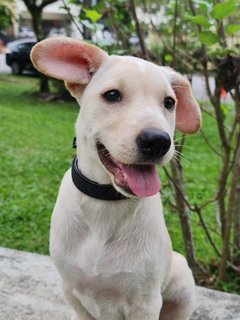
236,175
226,158
236,208
232,211
180,194
38,30
44,85
37,24
36,14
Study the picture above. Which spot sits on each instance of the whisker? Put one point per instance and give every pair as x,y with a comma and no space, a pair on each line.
179,155
176,158
180,138
185,146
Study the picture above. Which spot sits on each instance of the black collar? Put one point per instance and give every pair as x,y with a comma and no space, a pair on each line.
91,188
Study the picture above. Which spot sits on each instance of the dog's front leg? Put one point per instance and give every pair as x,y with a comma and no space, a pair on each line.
149,310
179,296
80,312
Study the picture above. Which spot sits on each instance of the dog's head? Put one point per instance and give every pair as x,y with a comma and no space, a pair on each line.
129,109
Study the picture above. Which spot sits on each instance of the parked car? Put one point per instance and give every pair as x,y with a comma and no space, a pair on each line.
18,55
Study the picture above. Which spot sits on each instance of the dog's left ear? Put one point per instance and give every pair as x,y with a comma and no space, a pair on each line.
188,114
68,59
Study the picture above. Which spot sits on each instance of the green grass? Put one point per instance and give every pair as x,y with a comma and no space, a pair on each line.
35,148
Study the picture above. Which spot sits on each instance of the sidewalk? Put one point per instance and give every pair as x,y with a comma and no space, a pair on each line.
30,289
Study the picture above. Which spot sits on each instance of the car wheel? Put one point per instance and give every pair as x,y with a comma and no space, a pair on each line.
16,69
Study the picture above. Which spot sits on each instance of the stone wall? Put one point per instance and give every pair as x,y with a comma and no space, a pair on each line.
30,289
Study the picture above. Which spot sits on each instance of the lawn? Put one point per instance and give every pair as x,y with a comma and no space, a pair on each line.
36,150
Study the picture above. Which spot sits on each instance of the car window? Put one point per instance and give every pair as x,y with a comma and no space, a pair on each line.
25,47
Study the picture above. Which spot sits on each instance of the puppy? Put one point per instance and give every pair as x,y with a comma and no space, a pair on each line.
108,237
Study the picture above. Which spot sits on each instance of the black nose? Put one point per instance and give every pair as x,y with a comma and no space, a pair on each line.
153,143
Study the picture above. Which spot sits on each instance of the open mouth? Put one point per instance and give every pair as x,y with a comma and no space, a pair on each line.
135,179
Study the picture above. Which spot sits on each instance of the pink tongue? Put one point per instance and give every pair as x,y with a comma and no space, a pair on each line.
143,181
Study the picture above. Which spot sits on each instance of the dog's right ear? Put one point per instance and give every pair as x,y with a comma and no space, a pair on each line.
67,59
188,113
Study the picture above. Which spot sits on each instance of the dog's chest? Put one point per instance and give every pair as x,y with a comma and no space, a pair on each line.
110,260
100,259
109,277
118,272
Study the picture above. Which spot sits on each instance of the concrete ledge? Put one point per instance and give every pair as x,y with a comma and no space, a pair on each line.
30,289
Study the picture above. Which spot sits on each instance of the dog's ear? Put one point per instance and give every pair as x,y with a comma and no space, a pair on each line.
67,59
188,114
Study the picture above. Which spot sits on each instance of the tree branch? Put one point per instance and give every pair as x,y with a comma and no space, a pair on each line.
138,30
209,144
45,3
205,228
175,34
204,57
71,17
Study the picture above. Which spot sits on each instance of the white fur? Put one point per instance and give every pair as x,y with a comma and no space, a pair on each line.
115,257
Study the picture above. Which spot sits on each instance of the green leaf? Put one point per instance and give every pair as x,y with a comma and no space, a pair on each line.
93,15
225,109
168,58
205,6
224,9
198,19
232,28
208,38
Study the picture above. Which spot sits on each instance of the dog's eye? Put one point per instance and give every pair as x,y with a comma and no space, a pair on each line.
112,96
169,103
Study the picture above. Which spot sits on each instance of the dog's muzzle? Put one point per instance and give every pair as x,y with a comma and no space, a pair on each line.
153,144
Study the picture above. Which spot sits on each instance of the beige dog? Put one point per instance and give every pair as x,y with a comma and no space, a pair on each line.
108,236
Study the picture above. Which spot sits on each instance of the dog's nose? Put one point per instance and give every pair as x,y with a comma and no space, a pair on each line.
153,143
